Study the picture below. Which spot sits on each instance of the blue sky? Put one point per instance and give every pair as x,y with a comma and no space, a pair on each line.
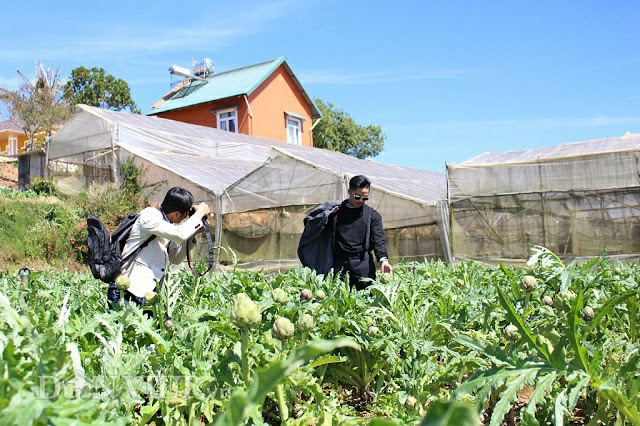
446,80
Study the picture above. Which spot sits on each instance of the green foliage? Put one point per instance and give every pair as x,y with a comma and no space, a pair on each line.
94,87
337,131
132,178
51,230
43,186
15,194
439,338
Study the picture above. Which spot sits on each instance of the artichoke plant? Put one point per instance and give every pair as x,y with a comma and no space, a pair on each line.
282,329
320,295
529,283
306,294
279,296
123,283
151,298
245,313
587,313
511,332
306,323
547,300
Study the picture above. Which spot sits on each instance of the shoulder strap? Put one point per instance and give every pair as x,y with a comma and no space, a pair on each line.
207,232
133,254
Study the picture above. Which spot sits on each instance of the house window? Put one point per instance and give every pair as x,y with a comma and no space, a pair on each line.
228,120
12,149
294,127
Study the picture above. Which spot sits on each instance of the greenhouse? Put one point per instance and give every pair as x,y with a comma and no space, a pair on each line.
260,189
578,199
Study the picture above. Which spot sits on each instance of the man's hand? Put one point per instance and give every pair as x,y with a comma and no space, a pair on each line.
203,209
335,209
385,267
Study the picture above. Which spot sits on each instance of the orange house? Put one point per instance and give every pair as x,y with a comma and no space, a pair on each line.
264,100
13,140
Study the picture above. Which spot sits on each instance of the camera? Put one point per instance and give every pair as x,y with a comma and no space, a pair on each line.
192,211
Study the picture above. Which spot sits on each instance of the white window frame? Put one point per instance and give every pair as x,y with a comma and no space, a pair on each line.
299,128
235,119
12,146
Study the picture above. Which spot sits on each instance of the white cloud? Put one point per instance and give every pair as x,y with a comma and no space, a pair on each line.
379,77
123,39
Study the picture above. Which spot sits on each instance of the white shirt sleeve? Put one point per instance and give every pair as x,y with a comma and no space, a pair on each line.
155,224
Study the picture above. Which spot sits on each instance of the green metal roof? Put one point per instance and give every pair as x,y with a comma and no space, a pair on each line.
241,81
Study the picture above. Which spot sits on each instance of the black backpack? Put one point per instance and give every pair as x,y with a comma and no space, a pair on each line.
105,251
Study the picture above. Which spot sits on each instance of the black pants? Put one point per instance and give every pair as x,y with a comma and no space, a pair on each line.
359,267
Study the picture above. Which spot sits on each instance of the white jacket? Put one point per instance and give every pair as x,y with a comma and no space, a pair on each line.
148,268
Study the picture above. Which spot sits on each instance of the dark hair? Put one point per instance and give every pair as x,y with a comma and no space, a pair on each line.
177,199
359,181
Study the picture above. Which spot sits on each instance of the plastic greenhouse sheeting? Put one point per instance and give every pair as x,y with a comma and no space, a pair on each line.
577,199
260,189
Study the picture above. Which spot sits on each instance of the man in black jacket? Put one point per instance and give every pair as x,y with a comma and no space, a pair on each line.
347,232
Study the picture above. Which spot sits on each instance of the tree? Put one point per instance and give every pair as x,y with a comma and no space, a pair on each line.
95,87
337,131
38,105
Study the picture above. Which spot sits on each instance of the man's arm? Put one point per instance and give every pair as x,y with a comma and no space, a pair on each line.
178,233
379,241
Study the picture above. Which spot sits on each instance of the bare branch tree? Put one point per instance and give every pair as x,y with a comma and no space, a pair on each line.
38,105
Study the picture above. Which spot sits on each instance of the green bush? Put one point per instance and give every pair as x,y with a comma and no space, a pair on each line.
43,186
41,228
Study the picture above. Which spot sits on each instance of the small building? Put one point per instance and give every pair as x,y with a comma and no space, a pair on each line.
264,100
13,140
31,165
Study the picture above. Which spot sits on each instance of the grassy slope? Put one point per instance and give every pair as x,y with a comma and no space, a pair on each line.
23,222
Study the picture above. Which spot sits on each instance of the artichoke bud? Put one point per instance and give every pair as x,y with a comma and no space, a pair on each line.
123,282
529,283
410,402
168,324
151,298
587,313
566,296
282,329
373,330
279,296
306,323
306,294
320,294
547,300
245,313
511,332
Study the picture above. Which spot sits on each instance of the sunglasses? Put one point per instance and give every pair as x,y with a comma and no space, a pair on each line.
360,197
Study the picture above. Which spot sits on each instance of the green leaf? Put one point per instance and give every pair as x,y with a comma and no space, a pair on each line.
622,403
451,413
605,309
328,359
560,407
515,319
542,388
497,356
574,336
243,403
575,392
147,412
509,395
